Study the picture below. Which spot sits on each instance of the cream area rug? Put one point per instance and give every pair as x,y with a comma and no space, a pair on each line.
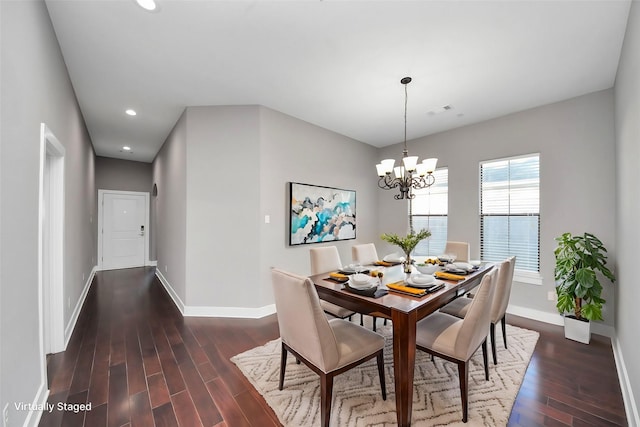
357,400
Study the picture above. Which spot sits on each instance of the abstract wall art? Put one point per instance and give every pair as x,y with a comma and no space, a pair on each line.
321,214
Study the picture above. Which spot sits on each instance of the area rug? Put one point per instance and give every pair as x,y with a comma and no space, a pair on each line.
357,400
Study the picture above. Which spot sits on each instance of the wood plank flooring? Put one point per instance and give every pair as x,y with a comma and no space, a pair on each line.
138,362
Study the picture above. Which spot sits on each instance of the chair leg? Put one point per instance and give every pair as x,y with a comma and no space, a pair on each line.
504,329
374,323
361,319
283,365
463,373
485,358
385,322
349,317
326,390
381,374
492,329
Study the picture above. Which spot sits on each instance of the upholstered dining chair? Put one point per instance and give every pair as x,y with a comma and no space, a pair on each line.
459,249
364,253
324,260
456,340
367,254
327,347
460,306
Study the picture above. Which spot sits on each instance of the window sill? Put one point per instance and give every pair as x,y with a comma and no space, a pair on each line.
527,277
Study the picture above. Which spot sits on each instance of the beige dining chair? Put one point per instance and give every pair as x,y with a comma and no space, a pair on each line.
460,306
459,249
327,347
456,340
366,254
325,260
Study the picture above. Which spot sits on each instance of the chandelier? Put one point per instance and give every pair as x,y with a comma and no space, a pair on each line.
410,175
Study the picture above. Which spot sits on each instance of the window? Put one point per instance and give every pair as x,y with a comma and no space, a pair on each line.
429,210
510,211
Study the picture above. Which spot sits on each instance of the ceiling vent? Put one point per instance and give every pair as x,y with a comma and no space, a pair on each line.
440,110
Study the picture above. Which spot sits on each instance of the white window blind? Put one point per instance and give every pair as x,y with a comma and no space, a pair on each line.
510,211
430,208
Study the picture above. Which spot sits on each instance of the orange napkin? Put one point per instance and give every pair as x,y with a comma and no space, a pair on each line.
448,276
406,289
338,276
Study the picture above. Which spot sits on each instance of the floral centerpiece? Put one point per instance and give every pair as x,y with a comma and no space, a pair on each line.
407,244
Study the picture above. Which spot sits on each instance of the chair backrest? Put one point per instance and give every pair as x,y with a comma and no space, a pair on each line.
460,249
324,259
475,324
364,254
302,323
503,288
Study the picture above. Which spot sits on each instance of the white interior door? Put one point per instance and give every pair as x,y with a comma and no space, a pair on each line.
125,227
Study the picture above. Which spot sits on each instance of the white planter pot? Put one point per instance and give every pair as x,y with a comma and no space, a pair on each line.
577,330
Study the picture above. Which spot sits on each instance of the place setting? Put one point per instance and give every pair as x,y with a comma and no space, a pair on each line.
417,285
365,284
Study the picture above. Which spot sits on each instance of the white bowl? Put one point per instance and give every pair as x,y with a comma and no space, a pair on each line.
423,279
427,268
475,262
360,278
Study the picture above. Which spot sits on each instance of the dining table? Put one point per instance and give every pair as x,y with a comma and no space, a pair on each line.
405,311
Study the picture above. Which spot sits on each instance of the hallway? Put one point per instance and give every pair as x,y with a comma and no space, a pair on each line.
138,362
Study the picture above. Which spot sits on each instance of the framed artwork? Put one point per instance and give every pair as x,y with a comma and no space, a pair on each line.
321,214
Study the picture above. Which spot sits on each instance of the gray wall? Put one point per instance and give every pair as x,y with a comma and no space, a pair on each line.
575,139
123,175
168,208
292,150
35,89
627,112
226,233
223,188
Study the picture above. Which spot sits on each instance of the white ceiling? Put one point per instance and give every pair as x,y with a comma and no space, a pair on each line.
336,64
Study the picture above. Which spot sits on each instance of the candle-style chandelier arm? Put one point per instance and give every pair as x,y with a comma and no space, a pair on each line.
406,184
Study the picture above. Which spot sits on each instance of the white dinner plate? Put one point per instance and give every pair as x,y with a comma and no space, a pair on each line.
463,265
423,285
362,286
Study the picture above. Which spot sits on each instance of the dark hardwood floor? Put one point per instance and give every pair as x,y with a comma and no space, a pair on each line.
138,362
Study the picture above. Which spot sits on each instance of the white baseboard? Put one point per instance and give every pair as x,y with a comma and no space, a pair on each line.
78,308
34,415
208,311
172,293
541,316
149,263
557,319
238,312
630,403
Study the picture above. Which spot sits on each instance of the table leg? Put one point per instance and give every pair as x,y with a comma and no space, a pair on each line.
404,358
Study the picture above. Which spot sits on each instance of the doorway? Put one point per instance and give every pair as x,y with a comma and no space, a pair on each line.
123,229
51,242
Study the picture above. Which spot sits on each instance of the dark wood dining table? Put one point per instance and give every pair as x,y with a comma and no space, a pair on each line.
404,311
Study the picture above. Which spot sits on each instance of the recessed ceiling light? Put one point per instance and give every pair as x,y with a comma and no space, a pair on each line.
131,112
147,4
126,148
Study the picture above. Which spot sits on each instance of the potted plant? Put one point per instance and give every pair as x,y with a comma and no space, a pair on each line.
578,259
407,244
